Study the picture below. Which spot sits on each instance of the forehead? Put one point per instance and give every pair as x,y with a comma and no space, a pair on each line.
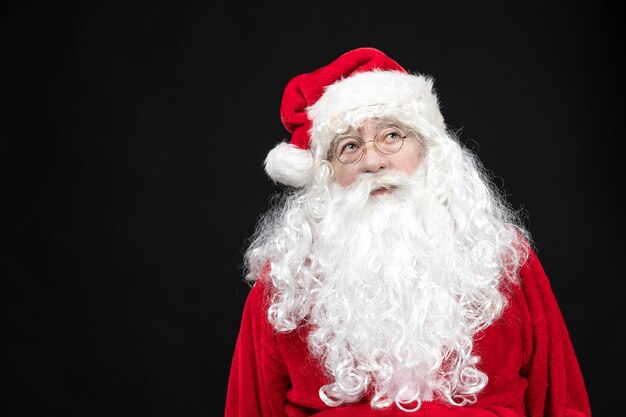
373,123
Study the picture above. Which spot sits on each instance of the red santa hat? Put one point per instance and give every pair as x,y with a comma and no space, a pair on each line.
318,105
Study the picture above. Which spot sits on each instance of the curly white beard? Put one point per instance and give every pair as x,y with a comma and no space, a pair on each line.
400,298
395,286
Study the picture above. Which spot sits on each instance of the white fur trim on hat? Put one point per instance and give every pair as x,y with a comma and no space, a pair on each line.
290,165
347,102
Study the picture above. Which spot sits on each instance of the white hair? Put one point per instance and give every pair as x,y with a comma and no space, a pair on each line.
425,267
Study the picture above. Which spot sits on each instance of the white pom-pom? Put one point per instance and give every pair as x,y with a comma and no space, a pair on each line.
289,165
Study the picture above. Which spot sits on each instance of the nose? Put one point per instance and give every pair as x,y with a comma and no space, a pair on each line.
373,161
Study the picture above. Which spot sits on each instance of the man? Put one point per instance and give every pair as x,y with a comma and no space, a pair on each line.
392,277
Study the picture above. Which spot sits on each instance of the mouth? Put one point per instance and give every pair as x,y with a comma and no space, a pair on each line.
382,191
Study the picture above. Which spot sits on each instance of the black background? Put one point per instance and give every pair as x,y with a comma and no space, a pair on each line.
133,137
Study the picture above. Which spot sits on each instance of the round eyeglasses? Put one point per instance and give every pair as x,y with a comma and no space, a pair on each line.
350,149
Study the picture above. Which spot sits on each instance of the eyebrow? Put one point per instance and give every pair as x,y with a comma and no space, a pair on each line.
381,124
388,123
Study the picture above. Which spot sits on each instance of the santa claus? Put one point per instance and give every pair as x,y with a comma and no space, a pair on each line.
392,276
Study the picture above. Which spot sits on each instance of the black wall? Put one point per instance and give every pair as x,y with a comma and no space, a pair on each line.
132,141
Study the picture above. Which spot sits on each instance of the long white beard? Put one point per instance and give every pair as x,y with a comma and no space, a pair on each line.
398,298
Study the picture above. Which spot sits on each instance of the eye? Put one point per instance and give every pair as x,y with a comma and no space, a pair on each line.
347,146
390,136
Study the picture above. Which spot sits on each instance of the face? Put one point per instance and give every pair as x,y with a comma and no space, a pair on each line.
385,131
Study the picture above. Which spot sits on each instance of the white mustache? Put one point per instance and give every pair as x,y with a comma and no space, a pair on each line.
358,193
388,179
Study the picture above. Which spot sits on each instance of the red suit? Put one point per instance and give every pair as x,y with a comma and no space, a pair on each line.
527,355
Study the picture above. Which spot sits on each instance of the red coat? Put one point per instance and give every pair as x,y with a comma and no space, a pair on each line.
527,355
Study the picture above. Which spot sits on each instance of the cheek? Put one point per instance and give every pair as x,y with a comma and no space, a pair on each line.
409,162
344,175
